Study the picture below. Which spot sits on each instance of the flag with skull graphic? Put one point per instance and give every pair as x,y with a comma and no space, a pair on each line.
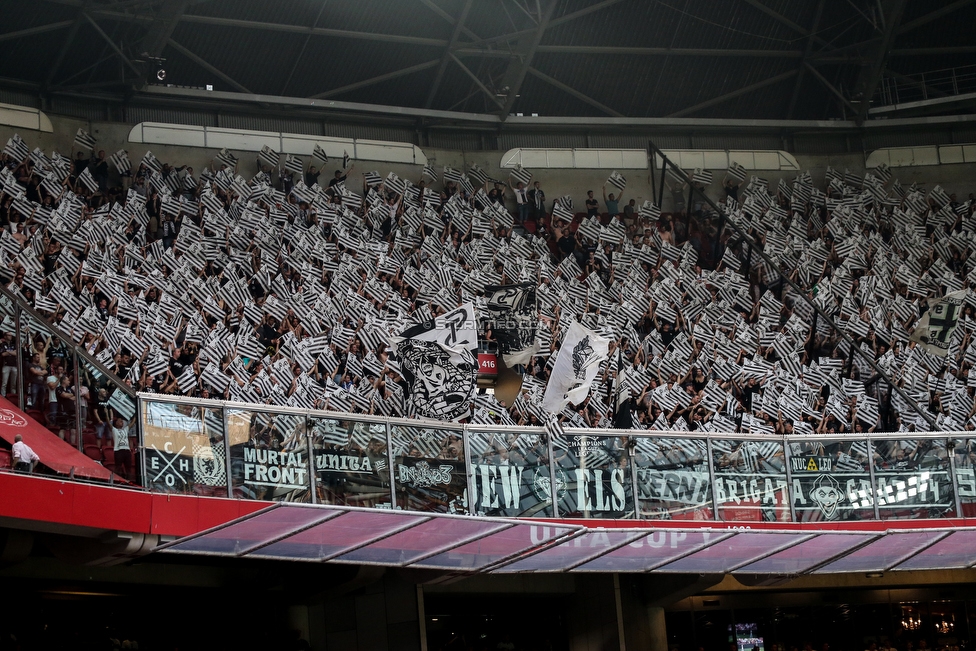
439,362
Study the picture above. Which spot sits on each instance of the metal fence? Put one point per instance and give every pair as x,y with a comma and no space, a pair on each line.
262,452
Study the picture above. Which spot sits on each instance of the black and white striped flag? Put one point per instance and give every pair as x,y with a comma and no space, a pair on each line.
120,160
86,179
224,157
617,180
737,172
268,156
479,175
883,172
522,175
649,211
452,175
700,176
430,172
294,164
372,179
318,154
345,159
559,211
16,148
84,140
939,196
150,161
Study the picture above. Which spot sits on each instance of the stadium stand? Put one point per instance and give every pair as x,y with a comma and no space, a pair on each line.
281,289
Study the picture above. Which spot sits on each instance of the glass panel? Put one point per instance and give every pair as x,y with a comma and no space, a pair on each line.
957,550
655,549
11,386
268,456
573,552
831,480
672,479
801,557
913,479
416,542
882,554
965,451
351,464
429,469
728,554
184,448
480,553
352,529
236,538
50,398
594,472
750,481
511,474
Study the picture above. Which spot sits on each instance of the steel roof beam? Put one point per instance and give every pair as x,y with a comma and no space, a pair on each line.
207,66
934,15
575,93
63,51
870,75
829,86
111,44
32,31
450,19
512,36
301,53
314,31
936,51
162,27
484,89
735,93
376,80
518,67
198,98
808,50
664,51
446,58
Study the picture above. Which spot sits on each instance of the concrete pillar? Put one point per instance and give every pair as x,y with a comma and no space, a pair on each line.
379,616
593,621
658,632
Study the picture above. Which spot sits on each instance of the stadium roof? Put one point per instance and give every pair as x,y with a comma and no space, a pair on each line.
729,59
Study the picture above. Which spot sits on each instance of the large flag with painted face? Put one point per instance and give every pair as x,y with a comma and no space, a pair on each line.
935,328
440,364
576,366
515,317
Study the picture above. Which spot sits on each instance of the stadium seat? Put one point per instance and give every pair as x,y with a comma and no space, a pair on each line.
93,452
6,461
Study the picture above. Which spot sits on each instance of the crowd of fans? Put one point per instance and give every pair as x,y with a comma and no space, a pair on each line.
284,289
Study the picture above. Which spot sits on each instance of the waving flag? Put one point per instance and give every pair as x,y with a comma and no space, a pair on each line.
576,366
934,330
515,318
440,366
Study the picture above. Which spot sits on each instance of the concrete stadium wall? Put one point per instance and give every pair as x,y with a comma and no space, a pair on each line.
957,178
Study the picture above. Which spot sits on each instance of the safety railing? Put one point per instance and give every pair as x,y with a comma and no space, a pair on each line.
262,452
57,381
